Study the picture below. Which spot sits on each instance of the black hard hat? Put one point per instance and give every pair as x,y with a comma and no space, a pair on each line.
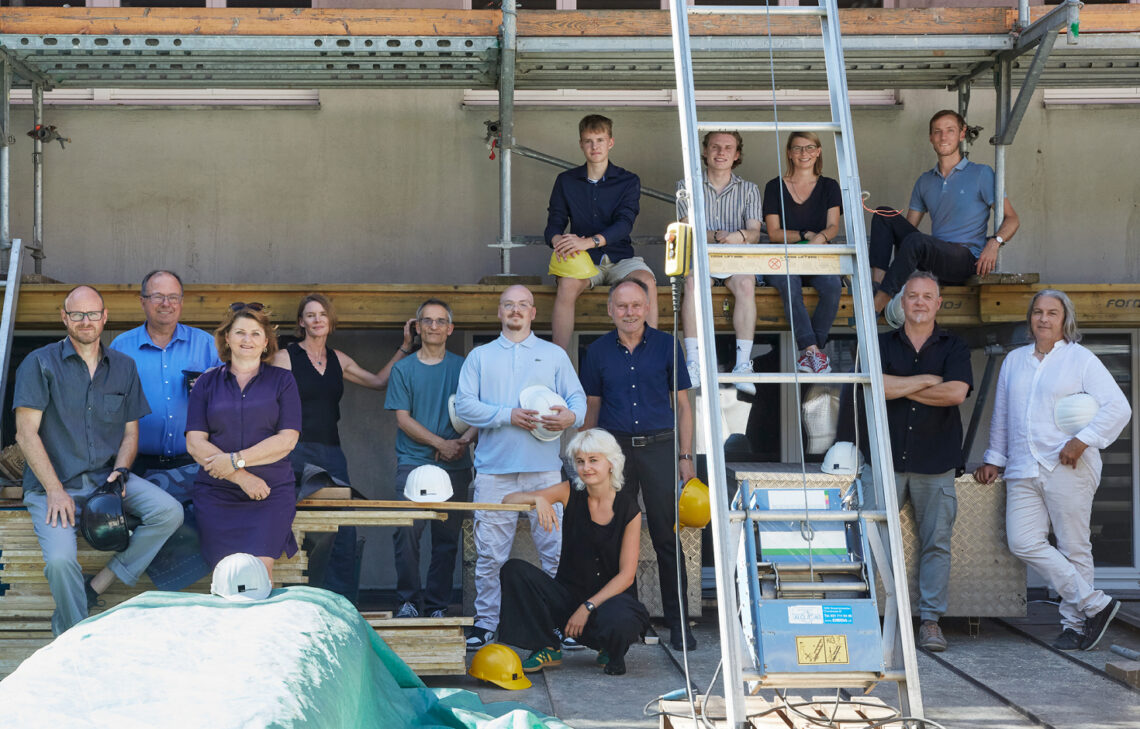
102,522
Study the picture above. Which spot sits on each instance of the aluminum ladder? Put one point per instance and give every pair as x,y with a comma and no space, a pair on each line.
883,534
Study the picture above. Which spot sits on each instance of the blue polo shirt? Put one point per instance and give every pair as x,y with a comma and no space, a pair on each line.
163,432
635,387
607,208
959,205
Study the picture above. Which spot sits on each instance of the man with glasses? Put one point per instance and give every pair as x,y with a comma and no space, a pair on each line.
168,355
77,422
418,390
509,456
958,194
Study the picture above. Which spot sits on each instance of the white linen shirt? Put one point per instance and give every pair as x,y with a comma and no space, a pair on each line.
492,377
1024,436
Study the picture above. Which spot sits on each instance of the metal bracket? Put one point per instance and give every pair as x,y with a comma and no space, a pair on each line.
26,71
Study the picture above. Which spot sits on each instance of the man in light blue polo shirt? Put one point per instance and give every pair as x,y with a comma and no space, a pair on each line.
168,355
958,194
508,457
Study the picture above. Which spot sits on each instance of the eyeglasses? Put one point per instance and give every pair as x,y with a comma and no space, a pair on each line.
428,322
161,298
254,305
805,148
81,315
516,305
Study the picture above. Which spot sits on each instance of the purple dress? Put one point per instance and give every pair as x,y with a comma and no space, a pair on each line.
228,520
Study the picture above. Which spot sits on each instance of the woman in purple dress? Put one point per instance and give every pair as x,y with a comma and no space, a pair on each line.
243,421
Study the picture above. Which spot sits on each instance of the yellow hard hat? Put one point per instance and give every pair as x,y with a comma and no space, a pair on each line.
500,665
579,265
693,507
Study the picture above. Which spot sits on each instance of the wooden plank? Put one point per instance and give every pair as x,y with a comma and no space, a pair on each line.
249,22
531,23
432,505
1096,304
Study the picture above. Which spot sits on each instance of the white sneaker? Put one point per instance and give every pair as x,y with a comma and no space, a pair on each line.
408,610
744,368
694,373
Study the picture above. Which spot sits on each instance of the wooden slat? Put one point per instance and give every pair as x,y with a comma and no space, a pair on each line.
1096,304
531,23
431,506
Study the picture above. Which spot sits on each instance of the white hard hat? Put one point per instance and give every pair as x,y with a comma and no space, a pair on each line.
542,399
893,314
1074,412
458,425
842,458
241,577
428,483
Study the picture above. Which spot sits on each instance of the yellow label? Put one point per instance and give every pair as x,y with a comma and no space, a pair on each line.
814,650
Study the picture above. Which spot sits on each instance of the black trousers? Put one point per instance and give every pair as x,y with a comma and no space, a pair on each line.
535,605
649,470
913,250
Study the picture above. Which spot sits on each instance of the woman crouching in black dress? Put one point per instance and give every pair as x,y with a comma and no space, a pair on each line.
593,598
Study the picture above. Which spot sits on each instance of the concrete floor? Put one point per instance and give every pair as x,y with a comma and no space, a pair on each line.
999,679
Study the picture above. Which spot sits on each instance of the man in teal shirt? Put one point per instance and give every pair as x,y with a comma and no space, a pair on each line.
418,390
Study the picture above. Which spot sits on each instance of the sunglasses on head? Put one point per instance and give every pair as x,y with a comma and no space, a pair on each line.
254,305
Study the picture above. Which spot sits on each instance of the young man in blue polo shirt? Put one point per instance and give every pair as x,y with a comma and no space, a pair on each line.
958,194
600,201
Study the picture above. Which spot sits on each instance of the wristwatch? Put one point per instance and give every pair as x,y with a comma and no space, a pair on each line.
999,239
124,473
590,607
597,241
685,457
237,461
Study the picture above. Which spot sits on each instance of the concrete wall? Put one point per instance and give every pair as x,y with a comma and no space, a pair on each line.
395,186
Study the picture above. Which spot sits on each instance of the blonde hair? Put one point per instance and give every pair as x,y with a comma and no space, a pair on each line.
817,168
596,440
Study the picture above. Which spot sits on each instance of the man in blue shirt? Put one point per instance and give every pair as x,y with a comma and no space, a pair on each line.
168,355
628,376
600,201
958,194
418,390
509,457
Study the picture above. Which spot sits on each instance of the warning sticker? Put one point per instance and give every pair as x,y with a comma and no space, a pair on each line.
805,614
814,650
838,614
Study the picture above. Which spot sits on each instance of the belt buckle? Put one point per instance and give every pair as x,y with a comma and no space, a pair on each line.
639,441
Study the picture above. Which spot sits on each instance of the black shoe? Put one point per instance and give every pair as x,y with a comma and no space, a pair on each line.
479,637
1097,624
676,635
1068,640
93,598
615,666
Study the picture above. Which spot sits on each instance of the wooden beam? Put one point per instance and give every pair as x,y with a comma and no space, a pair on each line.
388,306
1096,304
429,506
1123,18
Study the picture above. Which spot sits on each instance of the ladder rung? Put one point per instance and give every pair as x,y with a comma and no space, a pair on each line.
775,249
859,586
819,515
819,679
823,567
783,127
777,378
756,10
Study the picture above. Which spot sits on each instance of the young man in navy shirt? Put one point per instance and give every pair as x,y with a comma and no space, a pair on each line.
958,194
600,201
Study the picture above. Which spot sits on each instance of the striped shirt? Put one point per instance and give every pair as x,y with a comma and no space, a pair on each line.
729,209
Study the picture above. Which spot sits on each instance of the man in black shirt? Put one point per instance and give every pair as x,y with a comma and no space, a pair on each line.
926,376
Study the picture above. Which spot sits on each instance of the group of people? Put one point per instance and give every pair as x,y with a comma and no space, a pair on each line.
250,420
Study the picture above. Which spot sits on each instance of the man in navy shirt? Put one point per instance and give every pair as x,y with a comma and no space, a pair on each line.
628,376
926,376
600,201
958,194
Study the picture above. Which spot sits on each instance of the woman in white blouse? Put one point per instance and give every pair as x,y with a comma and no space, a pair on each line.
1051,476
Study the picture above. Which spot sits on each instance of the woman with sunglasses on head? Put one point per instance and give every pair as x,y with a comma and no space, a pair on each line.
320,372
243,420
805,207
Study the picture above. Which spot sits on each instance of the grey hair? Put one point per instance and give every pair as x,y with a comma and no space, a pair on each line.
1069,329
927,275
434,302
596,440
